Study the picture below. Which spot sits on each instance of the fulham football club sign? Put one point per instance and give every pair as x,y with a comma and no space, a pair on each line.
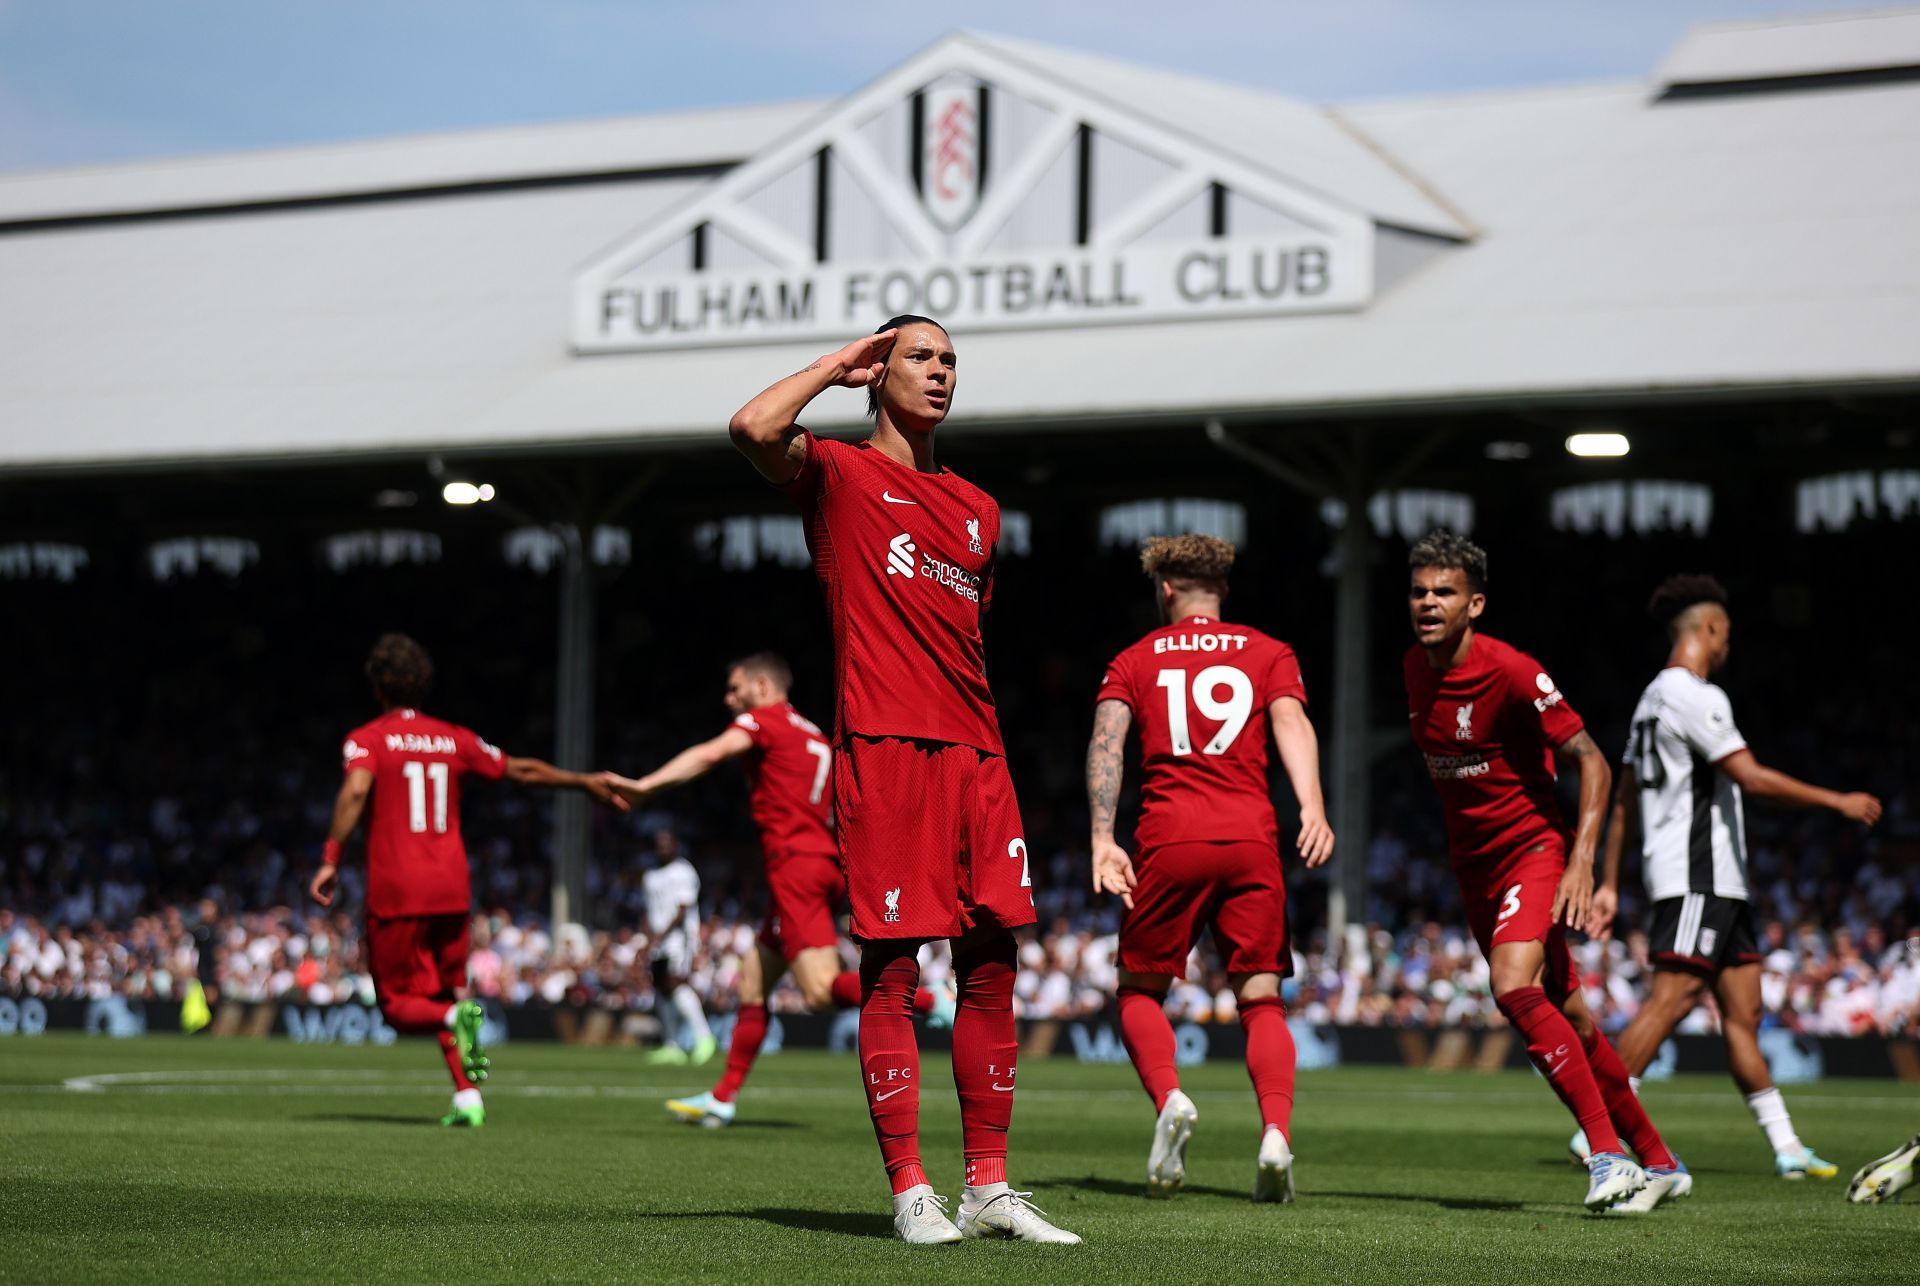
971,186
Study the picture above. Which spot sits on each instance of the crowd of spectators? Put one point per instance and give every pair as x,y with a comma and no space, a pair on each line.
129,794
1427,974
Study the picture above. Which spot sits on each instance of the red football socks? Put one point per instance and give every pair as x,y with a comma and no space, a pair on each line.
1623,1105
890,1057
985,1048
1148,1036
749,1030
846,989
846,993
414,1015
1556,1050
450,1050
1270,1059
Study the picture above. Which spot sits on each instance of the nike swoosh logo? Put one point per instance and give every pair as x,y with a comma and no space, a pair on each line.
881,1098
1004,1089
892,499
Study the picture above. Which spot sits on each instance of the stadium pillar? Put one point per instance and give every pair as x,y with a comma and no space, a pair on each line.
1352,716
573,724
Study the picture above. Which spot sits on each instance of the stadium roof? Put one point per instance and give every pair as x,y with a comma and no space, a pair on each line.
1567,245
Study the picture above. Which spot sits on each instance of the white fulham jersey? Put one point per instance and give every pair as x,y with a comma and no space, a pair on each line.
673,896
1693,838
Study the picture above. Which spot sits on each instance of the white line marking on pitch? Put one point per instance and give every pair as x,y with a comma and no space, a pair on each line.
313,1081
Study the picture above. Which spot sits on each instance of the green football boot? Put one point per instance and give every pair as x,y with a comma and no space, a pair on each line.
471,1117
467,1018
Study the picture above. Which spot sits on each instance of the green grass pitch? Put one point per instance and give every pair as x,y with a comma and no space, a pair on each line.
199,1160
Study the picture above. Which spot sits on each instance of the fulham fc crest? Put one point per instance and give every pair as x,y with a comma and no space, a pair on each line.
951,151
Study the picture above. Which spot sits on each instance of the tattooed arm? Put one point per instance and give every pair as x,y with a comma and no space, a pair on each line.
1575,896
1112,869
765,429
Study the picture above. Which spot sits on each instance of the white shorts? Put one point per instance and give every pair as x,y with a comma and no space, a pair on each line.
672,953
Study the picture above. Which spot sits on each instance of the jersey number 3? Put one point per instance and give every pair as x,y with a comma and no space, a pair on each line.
1232,714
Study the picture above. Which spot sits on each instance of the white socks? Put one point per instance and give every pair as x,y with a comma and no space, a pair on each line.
1770,1114
466,1100
686,1002
1633,1083
974,1195
447,1020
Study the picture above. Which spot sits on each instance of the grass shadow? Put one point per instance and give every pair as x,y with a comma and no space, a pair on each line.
1136,1188
1420,1198
847,1223
367,1118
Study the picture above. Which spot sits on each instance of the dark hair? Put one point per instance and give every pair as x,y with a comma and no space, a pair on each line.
771,664
400,670
894,323
1677,593
1441,548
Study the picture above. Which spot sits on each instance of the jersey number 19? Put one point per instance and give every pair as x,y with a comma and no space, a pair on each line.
1232,714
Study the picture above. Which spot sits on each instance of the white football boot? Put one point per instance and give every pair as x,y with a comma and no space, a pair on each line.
1614,1176
999,1211
1274,1179
1167,1162
1883,1180
702,1109
1663,1185
920,1217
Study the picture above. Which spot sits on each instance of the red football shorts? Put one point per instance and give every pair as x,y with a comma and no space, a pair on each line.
1510,899
802,892
418,955
1181,889
931,838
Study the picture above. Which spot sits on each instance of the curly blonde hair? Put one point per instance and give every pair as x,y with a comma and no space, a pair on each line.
1189,561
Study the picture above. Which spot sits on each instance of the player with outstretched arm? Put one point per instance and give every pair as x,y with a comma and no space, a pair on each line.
1685,773
789,764
408,766
1204,695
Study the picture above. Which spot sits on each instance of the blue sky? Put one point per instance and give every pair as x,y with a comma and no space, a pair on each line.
88,81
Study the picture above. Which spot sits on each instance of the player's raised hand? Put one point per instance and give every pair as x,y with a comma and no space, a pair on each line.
1316,839
1573,900
1606,905
1113,871
324,881
1859,806
864,360
600,785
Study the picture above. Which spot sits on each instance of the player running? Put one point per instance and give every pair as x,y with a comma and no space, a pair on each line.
1491,724
1686,769
930,830
1209,840
419,891
789,764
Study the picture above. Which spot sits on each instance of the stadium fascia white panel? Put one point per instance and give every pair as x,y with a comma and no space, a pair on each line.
1115,272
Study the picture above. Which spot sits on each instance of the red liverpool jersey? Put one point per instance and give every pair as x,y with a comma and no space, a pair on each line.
906,560
1488,728
1199,692
790,769
416,861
